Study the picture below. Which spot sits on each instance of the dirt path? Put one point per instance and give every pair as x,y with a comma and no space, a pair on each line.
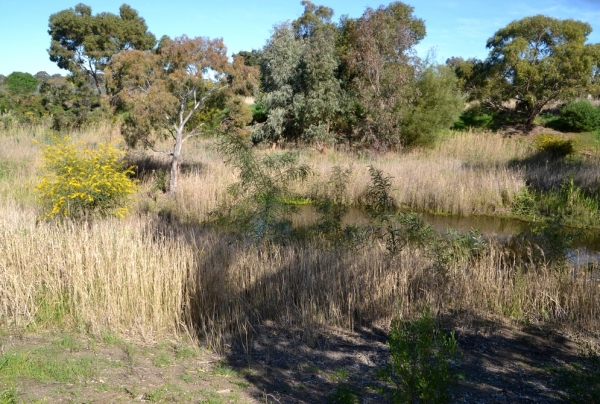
499,364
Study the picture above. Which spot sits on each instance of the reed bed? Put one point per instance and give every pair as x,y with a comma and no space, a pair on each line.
467,173
160,272
145,278
101,276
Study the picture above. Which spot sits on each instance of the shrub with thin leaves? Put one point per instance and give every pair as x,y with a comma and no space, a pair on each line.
79,182
420,361
258,207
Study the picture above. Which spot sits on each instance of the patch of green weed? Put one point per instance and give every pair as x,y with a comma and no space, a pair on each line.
343,395
185,352
223,370
8,396
580,381
43,365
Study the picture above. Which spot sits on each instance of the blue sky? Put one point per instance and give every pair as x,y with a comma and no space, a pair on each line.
454,27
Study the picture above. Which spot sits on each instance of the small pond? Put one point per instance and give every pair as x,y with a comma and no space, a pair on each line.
586,243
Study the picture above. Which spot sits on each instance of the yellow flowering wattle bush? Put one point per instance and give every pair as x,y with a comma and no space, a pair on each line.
555,145
79,182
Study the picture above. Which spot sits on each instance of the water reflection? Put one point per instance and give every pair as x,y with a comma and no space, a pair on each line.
586,243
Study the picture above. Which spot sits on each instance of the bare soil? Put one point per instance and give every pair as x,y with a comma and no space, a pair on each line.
500,363
533,130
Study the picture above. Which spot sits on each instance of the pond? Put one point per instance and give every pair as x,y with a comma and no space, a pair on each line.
586,243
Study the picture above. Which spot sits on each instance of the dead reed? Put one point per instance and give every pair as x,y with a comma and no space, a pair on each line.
160,273
147,278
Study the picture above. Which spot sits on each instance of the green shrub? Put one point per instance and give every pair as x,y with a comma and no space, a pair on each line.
439,105
83,183
420,361
258,207
580,380
474,117
581,116
259,112
557,146
21,83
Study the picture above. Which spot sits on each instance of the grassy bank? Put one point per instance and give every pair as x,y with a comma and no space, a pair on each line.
149,279
158,273
170,272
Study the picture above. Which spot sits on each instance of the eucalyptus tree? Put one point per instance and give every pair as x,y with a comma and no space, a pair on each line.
84,43
537,60
438,106
299,83
383,68
184,88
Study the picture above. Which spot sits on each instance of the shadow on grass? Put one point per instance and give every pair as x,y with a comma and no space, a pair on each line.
546,171
148,167
289,358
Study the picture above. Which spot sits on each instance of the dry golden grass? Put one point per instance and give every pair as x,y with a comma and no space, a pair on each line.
147,279
465,174
110,275
155,274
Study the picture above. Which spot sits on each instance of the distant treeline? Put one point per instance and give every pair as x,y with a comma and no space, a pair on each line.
357,81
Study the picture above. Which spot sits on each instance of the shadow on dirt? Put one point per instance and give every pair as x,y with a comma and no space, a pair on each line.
288,362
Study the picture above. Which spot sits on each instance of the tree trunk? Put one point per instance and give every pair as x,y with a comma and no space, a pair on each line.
175,160
174,177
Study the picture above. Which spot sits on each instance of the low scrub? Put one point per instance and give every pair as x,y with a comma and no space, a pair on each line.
556,146
421,355
581,116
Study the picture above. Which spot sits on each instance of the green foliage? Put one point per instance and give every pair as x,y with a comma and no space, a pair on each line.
420,367
553,242
382,69
82,183
569,200
8,395
580,380
581,116
343,395
454,248
42,365
352,82
70,107
21,83
378,199
438,106
474,117
259,112
181,101
84,43
332,205
396,229
524,204
556,146
536,60
258,208
298,65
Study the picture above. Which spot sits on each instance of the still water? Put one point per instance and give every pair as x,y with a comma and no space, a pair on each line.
586,243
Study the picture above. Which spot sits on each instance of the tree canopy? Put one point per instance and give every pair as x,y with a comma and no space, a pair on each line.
298,66
537,60
383,63
21,83
186,86
353,80
84,43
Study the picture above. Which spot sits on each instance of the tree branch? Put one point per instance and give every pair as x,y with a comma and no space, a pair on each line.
151,147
